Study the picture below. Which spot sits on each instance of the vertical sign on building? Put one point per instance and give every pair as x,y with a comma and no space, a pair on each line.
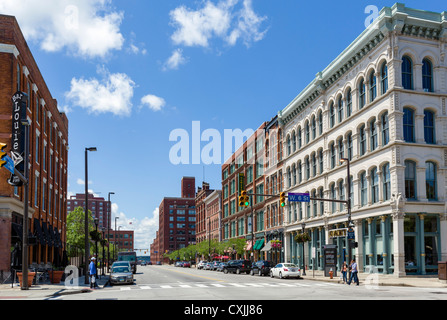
241,182
19,100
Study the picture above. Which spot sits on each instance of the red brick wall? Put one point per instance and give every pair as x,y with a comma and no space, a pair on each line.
5,243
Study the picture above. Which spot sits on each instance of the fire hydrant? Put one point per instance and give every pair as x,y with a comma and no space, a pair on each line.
331,274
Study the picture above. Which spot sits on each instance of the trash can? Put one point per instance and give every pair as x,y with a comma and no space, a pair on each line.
442,270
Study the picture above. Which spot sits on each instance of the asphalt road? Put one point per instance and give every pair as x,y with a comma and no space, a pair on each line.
188,284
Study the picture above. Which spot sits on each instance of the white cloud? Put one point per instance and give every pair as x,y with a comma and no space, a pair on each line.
175,60
90,28
81,182
153,102
113,93
222,20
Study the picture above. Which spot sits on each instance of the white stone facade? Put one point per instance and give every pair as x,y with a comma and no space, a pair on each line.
398,125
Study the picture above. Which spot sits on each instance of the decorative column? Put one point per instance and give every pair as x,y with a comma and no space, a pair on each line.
398,214
443,233
359,239
422,242
385,244
287,246
321,234
371,243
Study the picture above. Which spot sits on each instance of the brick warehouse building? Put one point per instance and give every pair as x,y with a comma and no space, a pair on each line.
177,222
48,155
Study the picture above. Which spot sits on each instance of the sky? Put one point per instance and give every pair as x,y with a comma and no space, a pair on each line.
139,78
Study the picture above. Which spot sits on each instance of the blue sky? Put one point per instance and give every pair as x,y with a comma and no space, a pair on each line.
130,72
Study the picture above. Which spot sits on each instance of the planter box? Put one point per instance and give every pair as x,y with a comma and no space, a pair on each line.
30,278
56,276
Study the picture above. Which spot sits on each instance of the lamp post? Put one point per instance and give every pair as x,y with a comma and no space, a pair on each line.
87,247
348,186
103,229
109,217
303,225
114,241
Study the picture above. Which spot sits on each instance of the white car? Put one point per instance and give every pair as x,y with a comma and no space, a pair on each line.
201,264
285,270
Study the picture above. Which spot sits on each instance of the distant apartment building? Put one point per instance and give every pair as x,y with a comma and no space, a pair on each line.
213,214
177,222
202,219
48,161
100,208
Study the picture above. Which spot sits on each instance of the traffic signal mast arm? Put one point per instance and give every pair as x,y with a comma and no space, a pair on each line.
316,199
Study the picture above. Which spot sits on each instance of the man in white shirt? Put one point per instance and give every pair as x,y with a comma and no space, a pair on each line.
354,272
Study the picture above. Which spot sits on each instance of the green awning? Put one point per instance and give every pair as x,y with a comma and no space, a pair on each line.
259,244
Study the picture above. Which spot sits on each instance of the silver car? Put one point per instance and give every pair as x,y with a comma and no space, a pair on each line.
121,275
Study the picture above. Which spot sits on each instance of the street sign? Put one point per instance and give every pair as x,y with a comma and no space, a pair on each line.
351,234
299,197
9,164
335,233
241,182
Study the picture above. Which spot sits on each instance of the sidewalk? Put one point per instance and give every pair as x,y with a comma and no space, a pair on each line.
382,280
47,290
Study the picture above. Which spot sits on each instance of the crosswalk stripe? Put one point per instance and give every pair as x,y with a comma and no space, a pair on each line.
237,285
201,286
124,288
185,286
218,285
166,287
145,287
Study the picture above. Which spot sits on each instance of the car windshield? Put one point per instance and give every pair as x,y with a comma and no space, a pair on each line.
290,265
120,269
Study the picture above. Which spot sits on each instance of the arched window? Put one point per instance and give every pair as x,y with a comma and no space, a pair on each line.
363,189
385,129
300,172
307,132
348,103
320,161
332,115
429,127
333,155
321,196
407,73
307,168
320,123
314,203
427,75
294,141
314,128
409,125
384,77
362,94
340,109
289,147
341,192
374,186
362,141
333,197
410,180
430,180
294,174
349,145
341,149
373,129
300,141
386,182
18,77
289,177
372,86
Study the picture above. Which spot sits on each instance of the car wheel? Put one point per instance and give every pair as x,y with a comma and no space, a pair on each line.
280,275
271,274
260,273
225,271
252,273
238,271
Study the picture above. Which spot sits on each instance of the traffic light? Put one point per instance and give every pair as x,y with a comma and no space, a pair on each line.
243,199
2,154
282,199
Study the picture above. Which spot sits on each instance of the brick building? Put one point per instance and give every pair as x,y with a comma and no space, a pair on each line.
202,218
99,207
48,155
213,214
249,160
177,222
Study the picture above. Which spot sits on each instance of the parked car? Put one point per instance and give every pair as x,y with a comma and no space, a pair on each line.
285,270
261,268
178,264
186,264
221,266
121,264
208,266
201,264
121,275
238,266
215,265
143,263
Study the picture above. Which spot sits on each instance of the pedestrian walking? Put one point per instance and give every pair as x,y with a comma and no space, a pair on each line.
354,272
344,271
93,273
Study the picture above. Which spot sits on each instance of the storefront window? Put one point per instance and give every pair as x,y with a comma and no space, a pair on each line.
431,251
410,223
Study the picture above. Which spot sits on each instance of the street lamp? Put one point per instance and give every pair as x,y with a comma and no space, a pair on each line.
109,217
87,247
303,225
114,241
348,186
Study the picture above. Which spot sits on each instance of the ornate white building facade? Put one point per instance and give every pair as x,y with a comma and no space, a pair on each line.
381,104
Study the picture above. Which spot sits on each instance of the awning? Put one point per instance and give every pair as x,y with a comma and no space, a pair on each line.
259,244
51,235
38,232
57,237
17,230
46,234
249,245
267,247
